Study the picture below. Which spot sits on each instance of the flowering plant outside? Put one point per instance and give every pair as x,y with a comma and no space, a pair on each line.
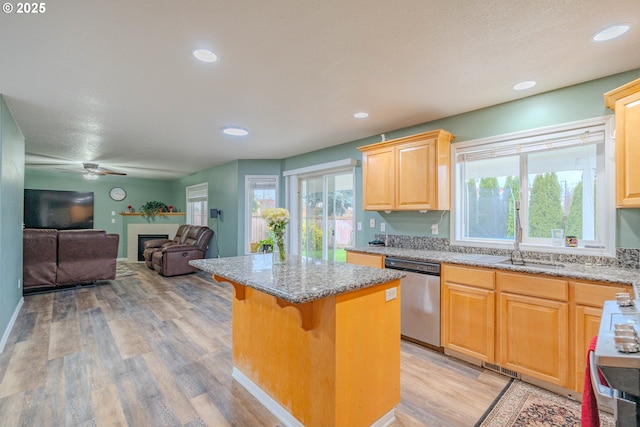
277,219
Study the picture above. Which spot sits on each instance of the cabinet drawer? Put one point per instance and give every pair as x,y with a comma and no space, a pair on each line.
367,260
525,284
469,276
595,295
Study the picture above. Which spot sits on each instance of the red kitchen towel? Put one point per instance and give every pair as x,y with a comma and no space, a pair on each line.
590,417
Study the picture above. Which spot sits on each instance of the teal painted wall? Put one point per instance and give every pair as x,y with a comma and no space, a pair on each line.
11,202
573,103
224,193
138,191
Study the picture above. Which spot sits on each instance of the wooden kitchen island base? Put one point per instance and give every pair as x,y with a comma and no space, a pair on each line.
334,361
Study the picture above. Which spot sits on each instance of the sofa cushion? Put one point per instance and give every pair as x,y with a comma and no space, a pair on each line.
86,256
39,257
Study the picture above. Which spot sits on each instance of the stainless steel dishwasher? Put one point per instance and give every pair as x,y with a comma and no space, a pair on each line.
419,300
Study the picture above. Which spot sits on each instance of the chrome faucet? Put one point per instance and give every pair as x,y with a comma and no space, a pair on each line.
516,255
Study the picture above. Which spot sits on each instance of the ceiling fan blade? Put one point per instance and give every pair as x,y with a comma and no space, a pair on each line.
103,172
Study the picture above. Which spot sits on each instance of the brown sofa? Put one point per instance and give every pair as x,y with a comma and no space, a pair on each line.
171,257
55,258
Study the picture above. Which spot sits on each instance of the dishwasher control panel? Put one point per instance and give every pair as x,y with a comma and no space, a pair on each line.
417,266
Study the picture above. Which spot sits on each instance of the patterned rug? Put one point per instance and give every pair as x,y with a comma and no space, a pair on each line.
523,404
122,270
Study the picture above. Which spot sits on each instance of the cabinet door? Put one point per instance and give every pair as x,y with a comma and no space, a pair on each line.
468,321
368,260
416,175
378,179
628,151
534,337
587,326
589,298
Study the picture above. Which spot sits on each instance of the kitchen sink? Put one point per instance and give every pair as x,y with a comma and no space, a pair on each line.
533,264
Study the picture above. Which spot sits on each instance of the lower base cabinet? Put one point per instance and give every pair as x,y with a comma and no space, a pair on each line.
536,325
534,337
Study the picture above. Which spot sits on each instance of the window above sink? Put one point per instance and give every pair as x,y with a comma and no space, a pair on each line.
561,175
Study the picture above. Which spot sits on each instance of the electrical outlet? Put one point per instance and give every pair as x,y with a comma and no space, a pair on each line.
19,283
113,213
390,294
434,229
383,227
359,226
372,223
113,220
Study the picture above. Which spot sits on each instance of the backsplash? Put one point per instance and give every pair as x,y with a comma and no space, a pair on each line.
625,258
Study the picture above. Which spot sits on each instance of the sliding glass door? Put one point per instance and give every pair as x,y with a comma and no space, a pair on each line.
326,216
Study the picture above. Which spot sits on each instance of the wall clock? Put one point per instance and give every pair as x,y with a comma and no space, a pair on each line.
117,193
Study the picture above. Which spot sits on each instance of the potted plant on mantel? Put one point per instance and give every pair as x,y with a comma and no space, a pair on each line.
152,209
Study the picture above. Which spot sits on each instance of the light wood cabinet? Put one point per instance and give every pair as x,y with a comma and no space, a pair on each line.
468,311
589,299
533,326
367,260
410,173
625,101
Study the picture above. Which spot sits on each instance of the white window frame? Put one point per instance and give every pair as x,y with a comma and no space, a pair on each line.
292,194
513,141
249,204
197,193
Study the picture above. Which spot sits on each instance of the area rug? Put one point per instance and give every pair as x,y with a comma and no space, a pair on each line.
123,271
523,404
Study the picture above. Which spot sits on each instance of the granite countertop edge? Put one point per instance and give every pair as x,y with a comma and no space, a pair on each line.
576,271
288,282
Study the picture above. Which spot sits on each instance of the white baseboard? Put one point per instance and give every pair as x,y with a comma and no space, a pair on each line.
7,332
272,406
281,413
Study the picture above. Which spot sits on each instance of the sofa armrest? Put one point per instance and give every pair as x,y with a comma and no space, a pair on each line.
156,243
180,248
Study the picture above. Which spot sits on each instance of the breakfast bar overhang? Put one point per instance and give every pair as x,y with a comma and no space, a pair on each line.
316,342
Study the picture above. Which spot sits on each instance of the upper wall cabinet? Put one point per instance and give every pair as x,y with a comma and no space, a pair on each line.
625,101
407,174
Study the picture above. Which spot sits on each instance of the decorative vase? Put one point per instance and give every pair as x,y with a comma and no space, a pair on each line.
279,251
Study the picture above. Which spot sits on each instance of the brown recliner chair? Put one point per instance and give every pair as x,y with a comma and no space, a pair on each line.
151,246
173,260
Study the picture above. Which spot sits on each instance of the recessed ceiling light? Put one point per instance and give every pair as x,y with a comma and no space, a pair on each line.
205,55
235,131
524,85
610,33
361,115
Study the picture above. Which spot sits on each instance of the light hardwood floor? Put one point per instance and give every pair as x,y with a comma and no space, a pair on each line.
145,350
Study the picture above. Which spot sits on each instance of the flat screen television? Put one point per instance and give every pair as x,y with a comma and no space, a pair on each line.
62,210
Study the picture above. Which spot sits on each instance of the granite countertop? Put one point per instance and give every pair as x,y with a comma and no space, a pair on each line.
300,280
568,270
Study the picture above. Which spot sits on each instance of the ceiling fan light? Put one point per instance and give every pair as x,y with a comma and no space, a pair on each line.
90,176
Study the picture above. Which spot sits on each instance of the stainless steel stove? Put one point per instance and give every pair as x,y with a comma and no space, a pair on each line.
621,370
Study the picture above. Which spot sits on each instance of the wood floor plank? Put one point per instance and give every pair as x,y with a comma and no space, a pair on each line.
147,350
127,337
170,388
208,411
64,338
107,408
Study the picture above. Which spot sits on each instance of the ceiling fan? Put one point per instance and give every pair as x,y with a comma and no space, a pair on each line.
92,170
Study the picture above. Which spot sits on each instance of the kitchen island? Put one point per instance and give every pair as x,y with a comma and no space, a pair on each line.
316,342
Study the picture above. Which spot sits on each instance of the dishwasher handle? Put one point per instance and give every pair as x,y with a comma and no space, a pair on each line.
430,268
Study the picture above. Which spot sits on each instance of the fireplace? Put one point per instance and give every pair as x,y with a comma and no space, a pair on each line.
134,230
143,238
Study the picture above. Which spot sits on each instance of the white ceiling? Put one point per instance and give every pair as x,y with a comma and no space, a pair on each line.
114,81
